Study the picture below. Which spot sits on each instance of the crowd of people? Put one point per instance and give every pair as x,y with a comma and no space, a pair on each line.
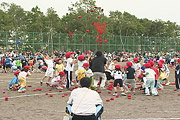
93,70
100,67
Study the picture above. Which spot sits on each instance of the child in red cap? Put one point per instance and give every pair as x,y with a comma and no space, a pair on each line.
69,68
130,77
150,76
59,82
118,75
59,66
14,84
22,78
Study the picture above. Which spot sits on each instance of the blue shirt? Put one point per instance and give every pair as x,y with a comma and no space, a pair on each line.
7,61
15,80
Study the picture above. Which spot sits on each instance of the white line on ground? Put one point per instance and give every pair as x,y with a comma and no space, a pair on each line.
30,95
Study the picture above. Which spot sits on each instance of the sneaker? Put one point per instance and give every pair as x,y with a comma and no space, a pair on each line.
102,88
147,94
114,94
20,90
23,89
72,83
155,95
167,83
124,94
59,88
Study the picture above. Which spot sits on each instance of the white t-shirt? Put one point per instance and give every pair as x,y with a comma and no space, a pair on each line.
150,73
49,63
136,66
117,75
88,98
69,67
80,64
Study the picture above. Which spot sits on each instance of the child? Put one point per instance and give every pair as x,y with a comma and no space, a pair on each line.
59,66
69,68
59,82
150,76
117,74
14,84
18,63
85,72
130,77
49,71
22,78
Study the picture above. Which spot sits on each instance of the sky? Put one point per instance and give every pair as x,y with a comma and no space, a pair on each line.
151,9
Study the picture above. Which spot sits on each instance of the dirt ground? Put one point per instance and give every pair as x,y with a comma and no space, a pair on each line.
35,105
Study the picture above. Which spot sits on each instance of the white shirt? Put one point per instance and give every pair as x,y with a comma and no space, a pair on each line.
88,73
89,99
49,63
117,75
150,73
69,67
80,64
136,66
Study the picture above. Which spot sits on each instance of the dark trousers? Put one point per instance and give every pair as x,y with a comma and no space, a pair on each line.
177,83
79,117
69,79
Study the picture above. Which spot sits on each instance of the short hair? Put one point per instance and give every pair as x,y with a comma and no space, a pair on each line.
99,53
85,82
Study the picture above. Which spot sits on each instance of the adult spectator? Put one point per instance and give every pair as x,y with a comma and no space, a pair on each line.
98,69
83,102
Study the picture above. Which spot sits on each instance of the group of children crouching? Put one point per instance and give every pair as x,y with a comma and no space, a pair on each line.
19,81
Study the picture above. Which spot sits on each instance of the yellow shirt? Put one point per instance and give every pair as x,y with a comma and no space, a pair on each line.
81,74
59,68
162,76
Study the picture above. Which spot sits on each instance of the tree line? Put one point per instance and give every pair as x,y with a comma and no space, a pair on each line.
80,20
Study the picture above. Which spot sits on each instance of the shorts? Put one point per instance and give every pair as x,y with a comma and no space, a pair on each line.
8,66
118,81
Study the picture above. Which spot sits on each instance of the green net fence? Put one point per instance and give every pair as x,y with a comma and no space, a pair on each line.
49,42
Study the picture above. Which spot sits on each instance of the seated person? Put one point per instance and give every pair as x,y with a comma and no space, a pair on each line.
84,103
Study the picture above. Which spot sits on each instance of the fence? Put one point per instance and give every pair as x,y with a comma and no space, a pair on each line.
46,41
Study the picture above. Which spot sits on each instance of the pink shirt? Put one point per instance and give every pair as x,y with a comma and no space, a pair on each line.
24,74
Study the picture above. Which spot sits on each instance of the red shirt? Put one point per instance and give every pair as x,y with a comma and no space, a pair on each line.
156,71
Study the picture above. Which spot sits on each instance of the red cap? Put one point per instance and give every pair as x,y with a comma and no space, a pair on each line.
81,57
129,64
28,67
85,65
68,54
92,10
62,73
135,60
151,62
57,59
87,31
16,73
178,60
125,67
147,65
117,67
162,61
160,64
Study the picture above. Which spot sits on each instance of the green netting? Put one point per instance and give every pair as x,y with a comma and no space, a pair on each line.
49,42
